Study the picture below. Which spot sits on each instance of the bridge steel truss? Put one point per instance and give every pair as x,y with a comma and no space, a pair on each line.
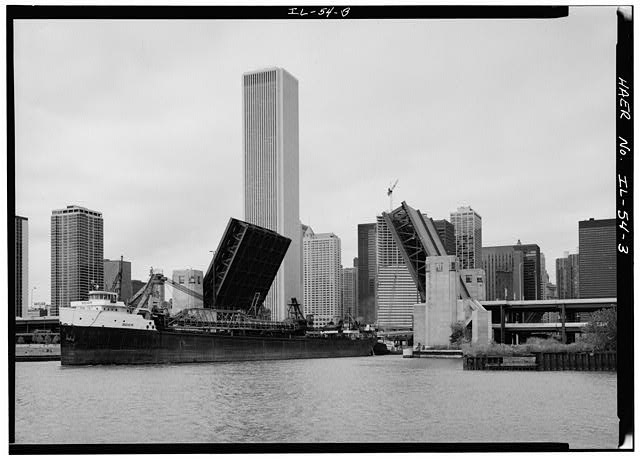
417,239
244,266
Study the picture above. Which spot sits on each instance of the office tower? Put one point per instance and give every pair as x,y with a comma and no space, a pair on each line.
111,270
190,279
76,255
322,278
597,263
21,266
270,157
468,232
447,234
532,280
551,293
396,292
504,271
349,292
567,276
367,272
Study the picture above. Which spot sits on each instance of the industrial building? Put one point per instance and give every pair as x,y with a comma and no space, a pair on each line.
191,279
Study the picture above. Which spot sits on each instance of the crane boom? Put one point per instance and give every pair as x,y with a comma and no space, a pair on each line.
184,289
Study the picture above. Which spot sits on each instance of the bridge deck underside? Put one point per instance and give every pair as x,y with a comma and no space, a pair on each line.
244,266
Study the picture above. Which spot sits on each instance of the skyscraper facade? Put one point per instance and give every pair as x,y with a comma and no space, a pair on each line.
322,277
544,276
367,272
21,265
190,279
447,234
76,255
597,263
396,292
349,292
531,270
271,178
504,271
468,232
111,270
567,276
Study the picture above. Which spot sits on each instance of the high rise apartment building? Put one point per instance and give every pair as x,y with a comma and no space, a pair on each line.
190,279
396,292
111,270
468,233
349,305
271,178
567,276
322,277
597,263
76,255
21,266
367,267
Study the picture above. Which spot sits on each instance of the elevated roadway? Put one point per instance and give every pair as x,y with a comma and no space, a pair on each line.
512,312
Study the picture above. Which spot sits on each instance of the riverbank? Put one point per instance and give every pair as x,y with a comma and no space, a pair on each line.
37,352
545,361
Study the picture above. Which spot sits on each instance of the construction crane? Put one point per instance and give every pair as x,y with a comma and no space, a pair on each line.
390,194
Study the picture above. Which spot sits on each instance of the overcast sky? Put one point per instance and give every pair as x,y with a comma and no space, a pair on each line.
142,121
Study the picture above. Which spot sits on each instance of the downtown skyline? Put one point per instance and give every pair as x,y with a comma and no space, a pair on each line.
148,130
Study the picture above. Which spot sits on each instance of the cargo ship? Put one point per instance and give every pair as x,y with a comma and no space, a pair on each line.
104,331
231,325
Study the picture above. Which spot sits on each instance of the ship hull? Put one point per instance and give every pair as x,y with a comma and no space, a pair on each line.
103,345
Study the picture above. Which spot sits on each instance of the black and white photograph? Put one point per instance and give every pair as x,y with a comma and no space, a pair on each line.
308,228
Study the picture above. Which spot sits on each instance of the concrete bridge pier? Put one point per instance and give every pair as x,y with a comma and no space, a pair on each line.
433,319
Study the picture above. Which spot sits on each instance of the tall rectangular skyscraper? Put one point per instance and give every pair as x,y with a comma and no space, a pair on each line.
322,277
597,262
366,293
271,178
567,278
467,224
76,255
21,268
349,292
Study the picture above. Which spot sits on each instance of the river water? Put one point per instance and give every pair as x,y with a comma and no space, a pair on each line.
363,399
